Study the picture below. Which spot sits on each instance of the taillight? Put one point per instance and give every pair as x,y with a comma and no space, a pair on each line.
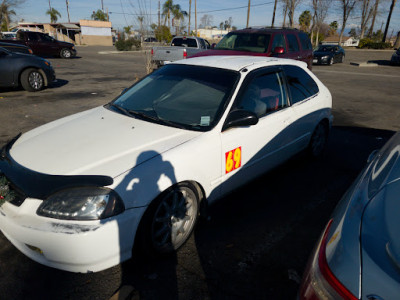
152,51
184,53
319,282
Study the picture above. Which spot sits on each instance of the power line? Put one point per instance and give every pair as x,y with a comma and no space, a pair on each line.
234,8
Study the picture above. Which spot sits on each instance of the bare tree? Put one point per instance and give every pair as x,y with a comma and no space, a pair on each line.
291,7
346,7
366,13
374,13
273,15
388,20
320,10
285,6
206,20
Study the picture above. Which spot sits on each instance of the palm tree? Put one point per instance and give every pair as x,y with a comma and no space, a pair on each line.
178,14
166,12
5,13
53,13
99,15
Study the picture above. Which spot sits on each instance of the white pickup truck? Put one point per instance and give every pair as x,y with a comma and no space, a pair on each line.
181,47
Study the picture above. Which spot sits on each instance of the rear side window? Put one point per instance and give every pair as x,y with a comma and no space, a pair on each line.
184,42
202,44
300,84
293,43
32,36
279,41
305,41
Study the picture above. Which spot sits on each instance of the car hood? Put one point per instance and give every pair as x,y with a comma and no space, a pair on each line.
228,52
95,142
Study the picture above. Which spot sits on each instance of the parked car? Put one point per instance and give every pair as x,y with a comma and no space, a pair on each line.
9,35
150,40
329,54
79,196
181,47
395,60
358,254
276,42
16,48
31,72
44,45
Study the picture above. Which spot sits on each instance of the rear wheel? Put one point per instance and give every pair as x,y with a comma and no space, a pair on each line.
32,80
318,140
170,220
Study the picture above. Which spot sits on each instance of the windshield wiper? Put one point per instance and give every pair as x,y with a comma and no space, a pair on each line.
156,119
121,109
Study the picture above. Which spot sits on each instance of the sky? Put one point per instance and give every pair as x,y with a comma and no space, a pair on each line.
125,12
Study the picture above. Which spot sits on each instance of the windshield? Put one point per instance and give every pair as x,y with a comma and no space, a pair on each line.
190,97
325,49
252,42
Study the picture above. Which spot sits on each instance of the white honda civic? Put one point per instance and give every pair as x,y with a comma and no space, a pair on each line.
78,193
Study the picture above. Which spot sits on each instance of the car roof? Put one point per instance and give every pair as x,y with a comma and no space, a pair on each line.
2,44
238,62
266,30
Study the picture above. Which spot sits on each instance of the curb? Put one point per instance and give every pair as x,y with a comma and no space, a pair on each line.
120,52
363,64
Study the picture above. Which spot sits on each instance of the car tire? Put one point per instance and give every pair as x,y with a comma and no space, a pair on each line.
169,221
342,59
330,61
318,141
65,53
32,80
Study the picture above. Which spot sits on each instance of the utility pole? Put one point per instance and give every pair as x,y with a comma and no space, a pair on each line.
159,18
102,6
69,21
190,11
388,20
273,15
195,16
248,14
49,5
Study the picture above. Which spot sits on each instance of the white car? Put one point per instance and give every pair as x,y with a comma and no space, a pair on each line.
79,192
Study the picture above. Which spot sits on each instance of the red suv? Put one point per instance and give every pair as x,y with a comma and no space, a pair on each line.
277,42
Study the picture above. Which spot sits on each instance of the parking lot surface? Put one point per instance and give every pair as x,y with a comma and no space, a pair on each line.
257,241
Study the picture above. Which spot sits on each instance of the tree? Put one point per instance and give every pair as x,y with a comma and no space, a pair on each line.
178,15
388,20
320,10
366,13
166,12
127,29
291,7
285,5
273,14
5,15
206,20
374,13
54,14
353,33
346,7
163,33
305,20
99,15
333,26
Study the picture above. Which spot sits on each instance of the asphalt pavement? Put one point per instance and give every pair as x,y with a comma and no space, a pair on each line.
257,241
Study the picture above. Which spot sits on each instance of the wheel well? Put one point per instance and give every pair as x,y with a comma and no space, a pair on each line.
325,122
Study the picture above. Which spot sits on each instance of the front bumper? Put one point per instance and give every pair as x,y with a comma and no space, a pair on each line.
321,60
75,246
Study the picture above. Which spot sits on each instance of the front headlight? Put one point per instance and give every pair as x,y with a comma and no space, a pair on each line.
325,57
85,203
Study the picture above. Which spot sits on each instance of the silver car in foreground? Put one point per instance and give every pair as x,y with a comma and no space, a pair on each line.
358,254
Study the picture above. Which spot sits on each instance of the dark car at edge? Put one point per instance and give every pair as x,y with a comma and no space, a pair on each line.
29,71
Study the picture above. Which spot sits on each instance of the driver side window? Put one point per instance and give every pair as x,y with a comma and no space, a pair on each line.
265,94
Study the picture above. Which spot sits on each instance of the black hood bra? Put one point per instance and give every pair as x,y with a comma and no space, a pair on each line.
37,185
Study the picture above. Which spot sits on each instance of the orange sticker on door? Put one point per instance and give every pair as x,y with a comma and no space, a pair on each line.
233,160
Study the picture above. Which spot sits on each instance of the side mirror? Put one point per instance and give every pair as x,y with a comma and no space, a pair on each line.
239,118
213,45
279,50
